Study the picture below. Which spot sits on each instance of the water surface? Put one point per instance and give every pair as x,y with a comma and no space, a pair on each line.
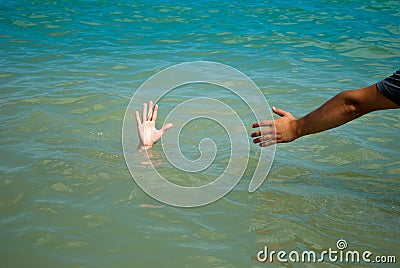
68,71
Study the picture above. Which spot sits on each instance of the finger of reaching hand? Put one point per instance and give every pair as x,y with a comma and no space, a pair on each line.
255,134
266,131
144,112
265,123
150,111
137,118
268,143
154,117
264,138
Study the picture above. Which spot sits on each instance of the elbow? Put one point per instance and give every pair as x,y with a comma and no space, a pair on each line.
353,106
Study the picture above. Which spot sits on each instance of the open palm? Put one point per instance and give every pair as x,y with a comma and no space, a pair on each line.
148,134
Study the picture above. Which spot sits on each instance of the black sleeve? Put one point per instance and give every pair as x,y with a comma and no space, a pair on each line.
390,87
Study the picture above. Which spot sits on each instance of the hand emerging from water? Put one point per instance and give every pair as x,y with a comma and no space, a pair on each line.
148,134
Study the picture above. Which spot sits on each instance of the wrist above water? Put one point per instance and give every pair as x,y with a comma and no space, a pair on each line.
144,147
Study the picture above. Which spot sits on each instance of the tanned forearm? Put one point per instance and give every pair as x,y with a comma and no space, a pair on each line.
335,112
342,108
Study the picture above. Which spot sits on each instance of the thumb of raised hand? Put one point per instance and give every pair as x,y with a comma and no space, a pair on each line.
166,127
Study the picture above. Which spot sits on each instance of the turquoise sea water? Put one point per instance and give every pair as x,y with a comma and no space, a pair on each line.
68,70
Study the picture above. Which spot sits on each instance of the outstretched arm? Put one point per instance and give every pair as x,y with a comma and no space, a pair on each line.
342,108
148,134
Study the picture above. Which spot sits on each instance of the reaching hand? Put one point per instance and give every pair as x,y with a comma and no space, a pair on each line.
148,134
283,129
